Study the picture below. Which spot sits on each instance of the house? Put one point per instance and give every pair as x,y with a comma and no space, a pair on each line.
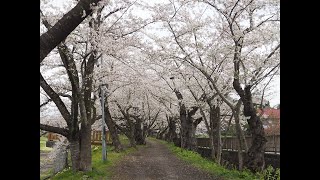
270,118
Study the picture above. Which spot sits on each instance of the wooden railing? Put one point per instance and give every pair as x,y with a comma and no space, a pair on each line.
231,143
96,137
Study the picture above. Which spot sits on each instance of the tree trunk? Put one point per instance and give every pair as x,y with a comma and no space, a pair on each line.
213,155
192,145
161,133
184,127
112,129
172,135
85,148
255,160
216,132
132,134
255,156
139,138
145,131
188,127
188,130
132,141
75,154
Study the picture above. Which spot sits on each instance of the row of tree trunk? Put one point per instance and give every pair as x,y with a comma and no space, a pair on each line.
189,123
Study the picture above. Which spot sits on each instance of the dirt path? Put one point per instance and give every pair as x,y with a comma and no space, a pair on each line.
156,161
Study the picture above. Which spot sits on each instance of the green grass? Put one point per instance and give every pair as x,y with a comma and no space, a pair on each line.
124,140
196,160
202,136
100,169
43,147
46,174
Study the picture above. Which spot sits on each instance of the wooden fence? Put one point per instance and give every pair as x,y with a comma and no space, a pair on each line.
231,143
96,137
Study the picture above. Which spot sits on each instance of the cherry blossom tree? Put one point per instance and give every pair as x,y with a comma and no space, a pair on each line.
198,61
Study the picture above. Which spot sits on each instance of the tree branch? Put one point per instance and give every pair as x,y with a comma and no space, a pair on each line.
45,103
50,39
197,121
56,99
62,131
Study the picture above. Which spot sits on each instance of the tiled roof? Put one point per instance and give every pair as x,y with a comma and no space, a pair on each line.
270,112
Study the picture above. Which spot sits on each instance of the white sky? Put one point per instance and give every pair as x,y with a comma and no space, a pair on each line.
275,99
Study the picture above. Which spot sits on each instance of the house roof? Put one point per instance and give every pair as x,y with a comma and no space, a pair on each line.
270,112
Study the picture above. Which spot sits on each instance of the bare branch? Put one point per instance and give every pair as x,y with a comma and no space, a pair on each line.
233,8
112,12
55,98
55,35
45,103
257,72
64,132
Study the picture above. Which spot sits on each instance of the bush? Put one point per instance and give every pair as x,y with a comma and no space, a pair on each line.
271,174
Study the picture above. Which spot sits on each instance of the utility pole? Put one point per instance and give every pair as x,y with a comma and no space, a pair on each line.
104,145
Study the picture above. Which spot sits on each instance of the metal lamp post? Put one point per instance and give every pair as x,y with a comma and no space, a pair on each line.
102,95
104,144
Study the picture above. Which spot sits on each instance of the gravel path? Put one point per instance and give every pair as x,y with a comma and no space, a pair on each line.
156,161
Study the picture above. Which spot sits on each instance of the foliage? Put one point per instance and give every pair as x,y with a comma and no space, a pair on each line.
270,173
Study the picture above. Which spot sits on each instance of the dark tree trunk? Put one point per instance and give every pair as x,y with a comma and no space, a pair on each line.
188,127
64,27
161,133
255,156
216,132
184,127
75,154
255,159
85,148
188,135
192,140
171,135
131,133
132,139
139,138
145,131
112,129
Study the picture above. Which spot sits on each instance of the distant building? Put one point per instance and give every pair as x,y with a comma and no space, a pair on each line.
270,118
